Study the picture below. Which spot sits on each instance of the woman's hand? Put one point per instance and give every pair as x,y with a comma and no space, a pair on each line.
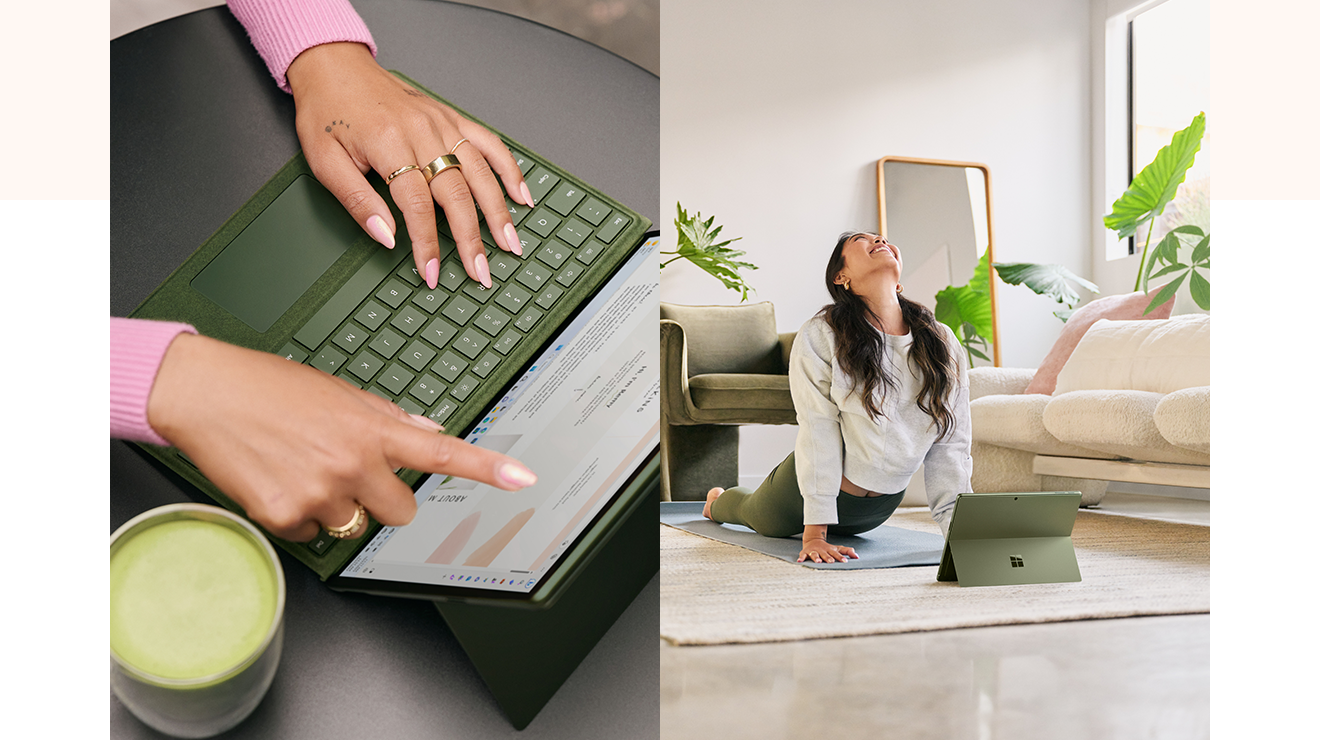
354,116
815,547
299,449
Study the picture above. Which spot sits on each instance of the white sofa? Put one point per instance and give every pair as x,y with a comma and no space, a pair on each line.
1132,403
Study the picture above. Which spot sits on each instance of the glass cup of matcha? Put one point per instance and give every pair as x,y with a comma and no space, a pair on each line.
196,618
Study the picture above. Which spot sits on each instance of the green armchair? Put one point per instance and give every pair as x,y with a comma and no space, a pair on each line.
721,367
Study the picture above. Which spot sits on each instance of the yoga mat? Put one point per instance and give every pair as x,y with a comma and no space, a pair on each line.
883,547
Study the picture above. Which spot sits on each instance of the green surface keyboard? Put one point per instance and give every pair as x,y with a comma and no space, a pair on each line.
430,350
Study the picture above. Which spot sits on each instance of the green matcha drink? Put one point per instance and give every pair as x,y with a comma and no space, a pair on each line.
189,599
196,618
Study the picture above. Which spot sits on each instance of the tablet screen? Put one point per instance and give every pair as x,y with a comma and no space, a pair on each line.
583,417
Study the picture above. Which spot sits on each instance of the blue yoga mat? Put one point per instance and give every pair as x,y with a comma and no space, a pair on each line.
883,547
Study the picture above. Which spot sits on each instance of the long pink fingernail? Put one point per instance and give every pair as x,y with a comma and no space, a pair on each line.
527,196
483,269
516,475
432,273
380,231
511,237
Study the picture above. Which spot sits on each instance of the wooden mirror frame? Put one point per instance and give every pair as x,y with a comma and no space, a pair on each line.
989,225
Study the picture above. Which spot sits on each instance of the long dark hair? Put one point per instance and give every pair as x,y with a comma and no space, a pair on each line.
860,349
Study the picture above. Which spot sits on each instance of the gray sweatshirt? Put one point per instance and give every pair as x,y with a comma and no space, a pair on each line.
837,438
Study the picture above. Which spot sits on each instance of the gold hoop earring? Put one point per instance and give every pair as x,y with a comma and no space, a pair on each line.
846,283
899,289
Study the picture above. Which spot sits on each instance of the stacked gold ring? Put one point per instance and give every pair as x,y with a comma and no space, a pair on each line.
406,168
440,164
456,146
350,529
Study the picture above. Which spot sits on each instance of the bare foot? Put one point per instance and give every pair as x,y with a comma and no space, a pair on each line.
711,495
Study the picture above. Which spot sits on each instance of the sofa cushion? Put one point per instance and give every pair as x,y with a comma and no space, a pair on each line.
1120,422
1183,417
728,339
996,381
740,391
1113,307
1155,356
1015,422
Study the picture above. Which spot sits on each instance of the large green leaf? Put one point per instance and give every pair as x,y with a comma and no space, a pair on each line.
696,243
966,309
1157,184
1047,280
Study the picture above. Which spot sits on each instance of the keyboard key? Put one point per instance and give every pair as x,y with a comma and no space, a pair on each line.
478,292
612,228
588,254
548,296
427,390
365,366
322,543
492,321
351,337
486,365
534,275
460,310
387,343
439,332
395,378
463,388
529,243
407,404
570,273
513,298
290,351
408,271
430,300
517,211
394,293
505,344
372,315
554,253
328,318
543,221
524,162
593,211
329,360
470,343
417,356
382,393
565,198
408,321
574,232
449,366
451,275
528,319
443,411
502,265
540,181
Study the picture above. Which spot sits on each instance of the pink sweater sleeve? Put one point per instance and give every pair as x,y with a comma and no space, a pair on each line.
283,29
136,350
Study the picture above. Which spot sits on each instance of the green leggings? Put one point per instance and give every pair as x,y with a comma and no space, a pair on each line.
775,509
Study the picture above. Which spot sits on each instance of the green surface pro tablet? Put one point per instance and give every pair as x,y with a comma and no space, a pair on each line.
555,365
1001,539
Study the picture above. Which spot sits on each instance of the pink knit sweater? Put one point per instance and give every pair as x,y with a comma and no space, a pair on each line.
281,30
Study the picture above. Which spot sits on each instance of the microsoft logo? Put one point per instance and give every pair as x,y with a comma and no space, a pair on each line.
1016,561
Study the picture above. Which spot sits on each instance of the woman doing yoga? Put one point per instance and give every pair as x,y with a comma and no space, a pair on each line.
880,388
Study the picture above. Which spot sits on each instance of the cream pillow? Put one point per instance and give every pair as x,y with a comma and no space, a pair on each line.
1159,356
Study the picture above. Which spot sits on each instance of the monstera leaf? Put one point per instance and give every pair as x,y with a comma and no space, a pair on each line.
966,310
1156,184
1047,280
696,243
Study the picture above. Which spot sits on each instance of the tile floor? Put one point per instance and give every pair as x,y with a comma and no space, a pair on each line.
1145,677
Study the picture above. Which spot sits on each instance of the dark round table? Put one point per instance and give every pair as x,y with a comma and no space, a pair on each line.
197,126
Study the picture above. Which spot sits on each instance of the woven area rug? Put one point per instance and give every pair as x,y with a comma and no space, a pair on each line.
713,593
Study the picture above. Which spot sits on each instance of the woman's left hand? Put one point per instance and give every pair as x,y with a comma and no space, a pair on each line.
354,116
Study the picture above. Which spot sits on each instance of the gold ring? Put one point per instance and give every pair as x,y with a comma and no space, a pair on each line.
440,164
390,178
350,529
456,146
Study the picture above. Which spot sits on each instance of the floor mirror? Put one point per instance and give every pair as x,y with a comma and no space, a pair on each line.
937,213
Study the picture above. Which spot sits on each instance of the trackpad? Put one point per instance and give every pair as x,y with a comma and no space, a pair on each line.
279,255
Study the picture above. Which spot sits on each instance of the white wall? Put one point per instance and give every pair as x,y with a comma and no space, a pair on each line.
774,113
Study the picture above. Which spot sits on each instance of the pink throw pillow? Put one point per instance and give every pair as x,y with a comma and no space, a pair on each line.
1115,308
